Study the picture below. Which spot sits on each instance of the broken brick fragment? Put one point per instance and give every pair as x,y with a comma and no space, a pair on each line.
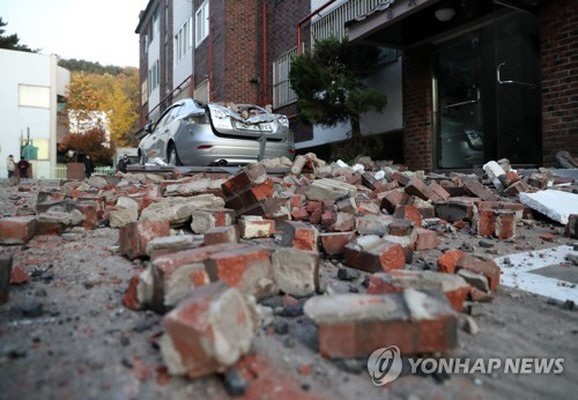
130,297
481,265
456,208
134,237
333,243
246,268
17,230
204,219
221,234
426,239
373,254
207,332
296,271
300,235
571,229
391,199
408,212
447,261
453,286
354,325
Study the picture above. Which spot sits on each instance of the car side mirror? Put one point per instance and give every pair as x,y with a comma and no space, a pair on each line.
148,128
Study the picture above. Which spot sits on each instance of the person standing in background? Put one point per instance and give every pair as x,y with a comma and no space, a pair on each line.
88,166
10,166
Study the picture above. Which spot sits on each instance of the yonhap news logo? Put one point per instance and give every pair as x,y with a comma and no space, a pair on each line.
385,365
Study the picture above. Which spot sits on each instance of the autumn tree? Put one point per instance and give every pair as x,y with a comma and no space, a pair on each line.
93,143
11,42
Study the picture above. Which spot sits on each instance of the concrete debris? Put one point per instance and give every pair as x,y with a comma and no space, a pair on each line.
555,204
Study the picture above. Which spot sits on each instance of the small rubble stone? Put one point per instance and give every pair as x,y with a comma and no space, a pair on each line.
571,229
204,219
426,239
178,210
208,332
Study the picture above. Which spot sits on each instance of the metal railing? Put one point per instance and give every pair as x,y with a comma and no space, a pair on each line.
333,23
283,94
58,172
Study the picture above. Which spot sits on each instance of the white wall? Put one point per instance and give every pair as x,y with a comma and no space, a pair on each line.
182,11
17,68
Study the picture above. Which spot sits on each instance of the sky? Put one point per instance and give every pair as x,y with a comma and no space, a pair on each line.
99,31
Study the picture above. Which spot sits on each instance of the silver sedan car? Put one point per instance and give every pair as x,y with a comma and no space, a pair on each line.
192,133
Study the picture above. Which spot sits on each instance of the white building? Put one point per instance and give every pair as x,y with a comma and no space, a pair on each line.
32,86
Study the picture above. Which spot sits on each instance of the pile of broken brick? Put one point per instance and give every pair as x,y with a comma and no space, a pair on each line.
216,246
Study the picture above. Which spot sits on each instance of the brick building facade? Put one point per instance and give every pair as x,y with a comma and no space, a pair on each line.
516,94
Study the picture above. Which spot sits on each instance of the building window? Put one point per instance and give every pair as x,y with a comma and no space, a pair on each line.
146,43
190,33
154,76
202,23
33,96
156,22
282,92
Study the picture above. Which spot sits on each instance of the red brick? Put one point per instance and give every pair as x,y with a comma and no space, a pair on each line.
254,174
479,190
209,331
400,227
391,199
19,275
426,239
447,262
17,230
481,265
300,235
417,187
352,325
258,192
437,192
248,269
456,209
453,286
380,255
130,298
410,213
221,234
134,237
333,243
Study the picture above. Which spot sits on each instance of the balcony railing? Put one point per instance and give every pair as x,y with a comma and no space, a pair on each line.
333,24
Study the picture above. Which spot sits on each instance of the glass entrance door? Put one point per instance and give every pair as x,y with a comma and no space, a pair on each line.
488,96
460,112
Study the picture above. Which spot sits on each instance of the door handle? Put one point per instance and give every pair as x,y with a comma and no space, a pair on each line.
463,103
510,82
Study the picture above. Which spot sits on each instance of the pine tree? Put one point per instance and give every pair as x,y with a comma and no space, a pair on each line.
329,84
11,42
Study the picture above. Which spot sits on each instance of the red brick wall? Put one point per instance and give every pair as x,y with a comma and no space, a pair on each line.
242,51
282,19
559,63
417,109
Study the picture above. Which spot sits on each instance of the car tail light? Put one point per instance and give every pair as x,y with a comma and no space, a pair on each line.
204,147
291,151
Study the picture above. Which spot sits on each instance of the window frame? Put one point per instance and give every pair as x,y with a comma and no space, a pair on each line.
201,23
